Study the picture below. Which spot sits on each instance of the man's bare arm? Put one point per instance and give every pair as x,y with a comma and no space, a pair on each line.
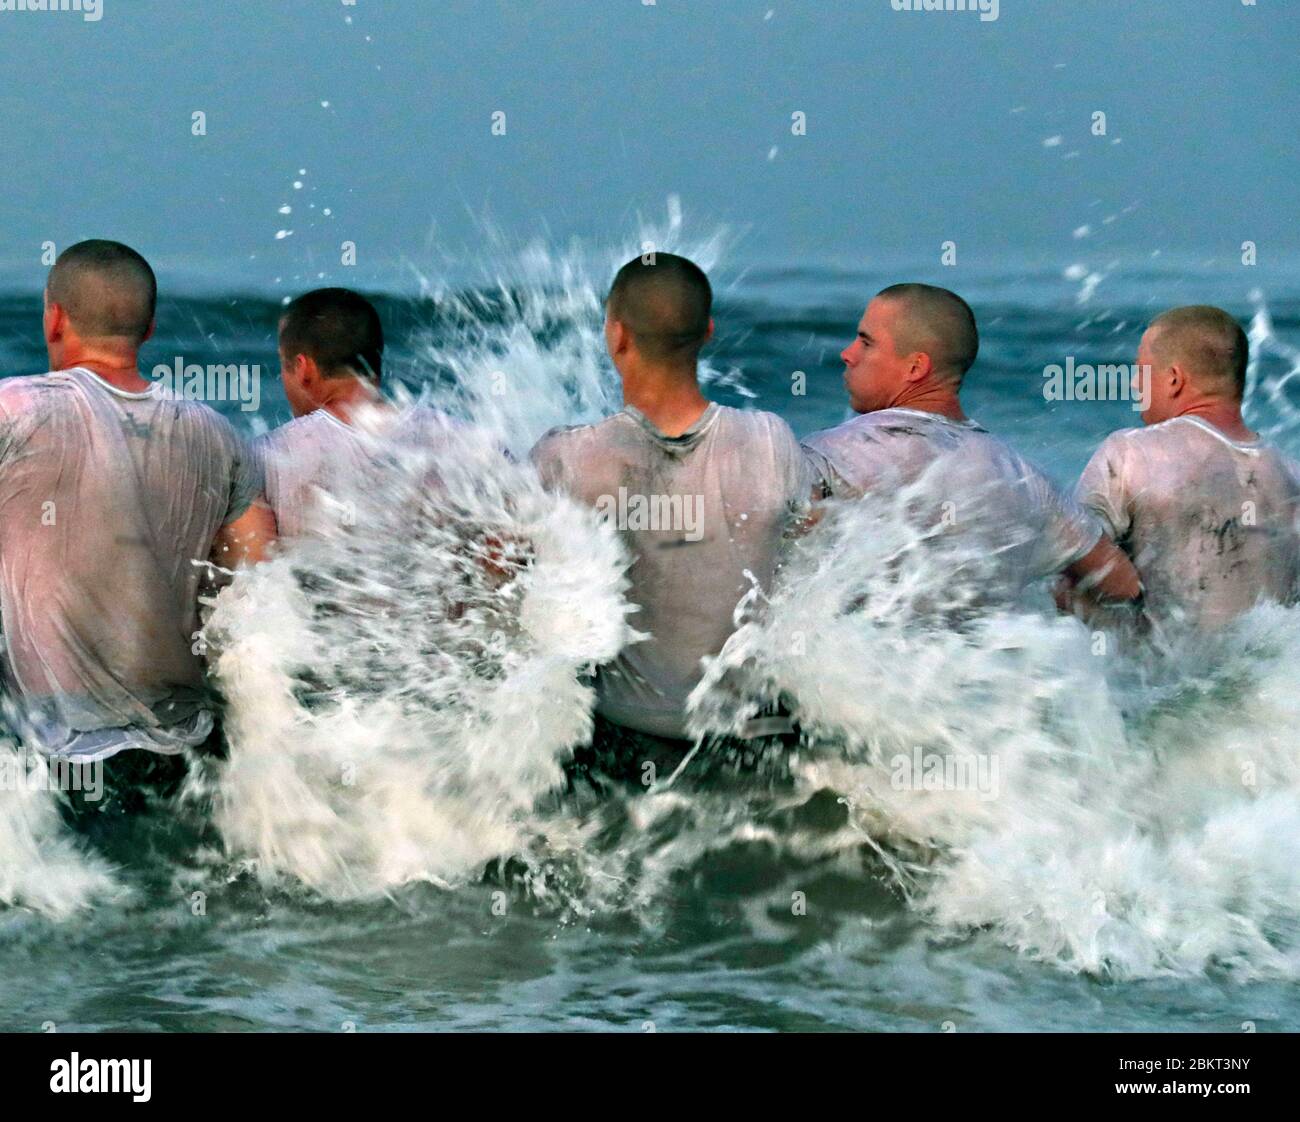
248,539
1104,575
807,518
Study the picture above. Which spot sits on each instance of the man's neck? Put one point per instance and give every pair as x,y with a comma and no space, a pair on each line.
355,398
933,397
670,399
120,373
1224,415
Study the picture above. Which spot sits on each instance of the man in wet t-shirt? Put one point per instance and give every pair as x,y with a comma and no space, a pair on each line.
997,522
112,497
1205,508
701,493
344,431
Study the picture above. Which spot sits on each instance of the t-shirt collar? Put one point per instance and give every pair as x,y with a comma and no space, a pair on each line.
925,414
1252,446
132,395
691,434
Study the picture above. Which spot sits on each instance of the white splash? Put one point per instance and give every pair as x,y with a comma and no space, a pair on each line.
42,866
443,699
1139,824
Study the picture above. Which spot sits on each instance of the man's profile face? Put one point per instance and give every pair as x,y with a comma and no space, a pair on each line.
874,373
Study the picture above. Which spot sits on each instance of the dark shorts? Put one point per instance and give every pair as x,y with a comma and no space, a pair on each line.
622,757
128,783
123,784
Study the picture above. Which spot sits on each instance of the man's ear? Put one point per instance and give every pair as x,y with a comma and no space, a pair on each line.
620,338
919,366
56,321
309,374
1177,380
149,333
709,334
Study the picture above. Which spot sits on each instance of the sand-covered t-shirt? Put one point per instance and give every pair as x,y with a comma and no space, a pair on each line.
1209,522
109,504
700,513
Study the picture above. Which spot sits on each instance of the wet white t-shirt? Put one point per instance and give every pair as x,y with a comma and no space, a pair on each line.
1209,522
698,512
107,501
992,513
316,463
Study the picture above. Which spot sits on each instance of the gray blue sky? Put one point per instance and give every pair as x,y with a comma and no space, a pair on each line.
921,128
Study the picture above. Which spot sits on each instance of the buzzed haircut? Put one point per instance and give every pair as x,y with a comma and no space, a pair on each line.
1208,342
664,301
937,322
338,328
106,288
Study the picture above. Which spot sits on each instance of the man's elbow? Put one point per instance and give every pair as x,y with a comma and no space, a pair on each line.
248,539
1106,575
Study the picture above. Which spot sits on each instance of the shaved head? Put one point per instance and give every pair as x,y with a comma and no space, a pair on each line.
337,327
664,301
937,322
107,290
1207,343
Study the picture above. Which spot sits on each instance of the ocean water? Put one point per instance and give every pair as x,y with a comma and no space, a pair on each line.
398,853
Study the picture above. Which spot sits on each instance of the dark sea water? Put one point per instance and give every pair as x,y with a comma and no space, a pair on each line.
710,939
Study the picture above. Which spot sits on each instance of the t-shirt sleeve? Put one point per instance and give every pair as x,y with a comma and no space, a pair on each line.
551,465
826,480
7,424
1069,531
1103,488
839,476
798,476
1293,473
246,479
261,453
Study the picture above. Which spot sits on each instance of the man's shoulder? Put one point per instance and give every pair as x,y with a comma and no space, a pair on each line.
827,438
756,422
884,426
619,428
22,390
1139,435
592,432
201,417
49,378
429,422
1170,437
287,435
